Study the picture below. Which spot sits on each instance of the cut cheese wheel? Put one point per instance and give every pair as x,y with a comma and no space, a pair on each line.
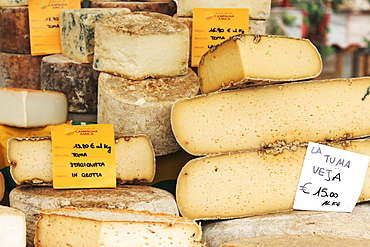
249,118
12,3
13,227
141,45
115,228
144,106
298,240
257,9
79,81
31,160
248,183
77,31
330,224
248,60
164,7
20,70
32,108
14,30
31,199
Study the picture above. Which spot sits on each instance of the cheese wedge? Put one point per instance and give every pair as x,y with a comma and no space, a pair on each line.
99,227
13,227
11,3
249,118
141,45
248,183
31,160
31,199
32,108
248,59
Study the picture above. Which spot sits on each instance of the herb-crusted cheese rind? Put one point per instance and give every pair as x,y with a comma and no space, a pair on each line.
141,45
77,28
249,60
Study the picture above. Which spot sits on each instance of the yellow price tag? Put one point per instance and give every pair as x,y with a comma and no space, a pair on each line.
212,26
83,156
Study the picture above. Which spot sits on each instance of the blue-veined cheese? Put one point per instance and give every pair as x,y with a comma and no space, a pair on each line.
77,27
12,3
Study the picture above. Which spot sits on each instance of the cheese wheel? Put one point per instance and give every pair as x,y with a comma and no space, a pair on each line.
141,45
257,9
249,118
31,199
248,183
14,30
12,3
79,81
144,106
115,228
248,59
13,227
31,160
28,108
164,7
20,70
302,223
77,31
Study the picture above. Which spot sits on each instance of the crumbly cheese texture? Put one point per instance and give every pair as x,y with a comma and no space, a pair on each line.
32,108
248,118
141,45
12,3
144,106
77,27
249,59
31,159
258,9
248,183
13,227
102,227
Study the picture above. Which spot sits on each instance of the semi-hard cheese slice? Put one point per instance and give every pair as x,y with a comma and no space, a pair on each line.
31,199
144,106
77,28
248,118
31,160
248,59
13,227
32,108
78,81
140,45
114,228
11,3
248,183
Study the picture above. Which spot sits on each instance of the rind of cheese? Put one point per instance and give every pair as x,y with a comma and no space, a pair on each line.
249,118
28,108
144,106
248,183
164,7
249,60
31,160
79,81
141,45
103,227
2,186
31,199
13,3
13,227
14,30
77,31
258,9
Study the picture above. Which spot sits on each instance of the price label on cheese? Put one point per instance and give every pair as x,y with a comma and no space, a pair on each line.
331,179
44,24
83,156
211,26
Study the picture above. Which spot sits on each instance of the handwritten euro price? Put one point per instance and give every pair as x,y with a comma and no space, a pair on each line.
321,192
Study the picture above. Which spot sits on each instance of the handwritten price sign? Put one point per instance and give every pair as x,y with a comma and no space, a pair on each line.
331,179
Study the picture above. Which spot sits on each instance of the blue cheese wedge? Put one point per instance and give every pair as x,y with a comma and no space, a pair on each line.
13,3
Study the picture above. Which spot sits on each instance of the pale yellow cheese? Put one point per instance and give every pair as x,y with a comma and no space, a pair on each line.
99,227
141,44
31,160
247,59
253,117
248,183
13,227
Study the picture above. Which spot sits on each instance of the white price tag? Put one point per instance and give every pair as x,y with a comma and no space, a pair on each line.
331,179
